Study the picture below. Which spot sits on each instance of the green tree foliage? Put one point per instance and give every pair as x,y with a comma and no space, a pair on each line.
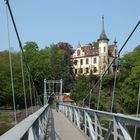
54,62
51,63
81,89
126,88
94,44
5,84
130,72
4,77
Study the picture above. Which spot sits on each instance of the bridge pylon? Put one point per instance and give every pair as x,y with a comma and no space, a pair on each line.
52,88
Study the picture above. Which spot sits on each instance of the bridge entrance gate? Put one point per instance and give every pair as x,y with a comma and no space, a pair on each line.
52,88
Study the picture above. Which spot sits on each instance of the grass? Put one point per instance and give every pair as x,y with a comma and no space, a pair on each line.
4,117
5,122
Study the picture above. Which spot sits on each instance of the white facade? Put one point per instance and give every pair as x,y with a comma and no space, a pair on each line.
85,63
96,59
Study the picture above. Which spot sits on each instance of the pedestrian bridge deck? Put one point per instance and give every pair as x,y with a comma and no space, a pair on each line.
64,129
52,125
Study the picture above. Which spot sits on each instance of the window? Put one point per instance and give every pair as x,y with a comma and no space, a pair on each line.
94,69
75,62
80,70
87,61
78,52
81,61
87,70
94,60
75,71
104,59
104,49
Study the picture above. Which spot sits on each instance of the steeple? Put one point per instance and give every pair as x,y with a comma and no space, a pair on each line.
103,35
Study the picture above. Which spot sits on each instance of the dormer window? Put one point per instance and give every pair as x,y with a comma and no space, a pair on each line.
78,52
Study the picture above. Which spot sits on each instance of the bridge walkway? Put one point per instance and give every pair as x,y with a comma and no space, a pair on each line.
64,129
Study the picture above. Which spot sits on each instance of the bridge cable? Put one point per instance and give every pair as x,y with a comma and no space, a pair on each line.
114,85
20,44
117,57
30,91
89,103
23,80
11,68
138,104
23,84
100,89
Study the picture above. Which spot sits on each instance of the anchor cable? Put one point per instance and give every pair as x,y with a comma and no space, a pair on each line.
11,68
19,41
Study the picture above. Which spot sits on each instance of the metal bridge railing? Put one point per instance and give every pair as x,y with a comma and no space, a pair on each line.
32,128
99,125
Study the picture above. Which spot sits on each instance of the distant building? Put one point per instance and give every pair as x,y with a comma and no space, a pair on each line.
65,98
96,59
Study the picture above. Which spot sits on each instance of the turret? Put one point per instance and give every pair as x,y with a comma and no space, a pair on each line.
103,35
103,49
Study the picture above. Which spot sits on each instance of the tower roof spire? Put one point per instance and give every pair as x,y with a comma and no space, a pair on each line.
103,35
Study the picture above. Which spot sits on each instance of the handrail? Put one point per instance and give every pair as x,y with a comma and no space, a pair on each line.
99,124
30,128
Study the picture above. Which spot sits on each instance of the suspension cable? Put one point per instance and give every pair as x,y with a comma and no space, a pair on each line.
89,103
138,23
114,85
91,90
30,89
23,84
11,69
100,89
138,104
18,37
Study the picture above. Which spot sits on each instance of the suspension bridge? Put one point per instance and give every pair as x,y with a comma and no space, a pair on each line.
71,122
67,121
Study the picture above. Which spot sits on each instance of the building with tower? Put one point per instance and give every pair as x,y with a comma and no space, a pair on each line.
89,58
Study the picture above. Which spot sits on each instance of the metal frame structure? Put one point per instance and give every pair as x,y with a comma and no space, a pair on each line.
100,125
48,93
33,127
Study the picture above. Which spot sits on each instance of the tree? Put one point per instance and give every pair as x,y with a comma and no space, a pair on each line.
130,72
94,44
81,89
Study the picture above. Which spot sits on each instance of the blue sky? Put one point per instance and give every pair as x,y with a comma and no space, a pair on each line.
52,21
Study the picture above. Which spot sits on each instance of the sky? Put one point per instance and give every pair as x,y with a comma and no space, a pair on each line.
72,21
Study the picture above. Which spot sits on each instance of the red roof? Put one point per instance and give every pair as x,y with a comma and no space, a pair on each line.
67,98
90,51
111,49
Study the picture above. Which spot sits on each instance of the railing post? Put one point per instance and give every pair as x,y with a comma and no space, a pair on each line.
115,126
61,86
45,92
31,136
85,122
96,126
